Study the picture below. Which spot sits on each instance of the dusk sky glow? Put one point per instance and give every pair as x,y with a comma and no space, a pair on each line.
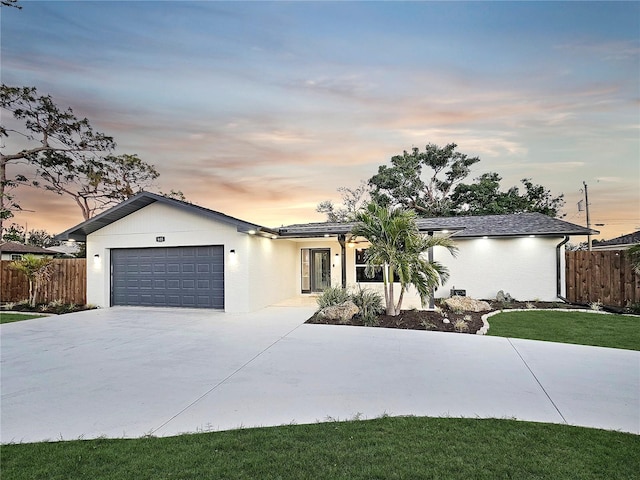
261,110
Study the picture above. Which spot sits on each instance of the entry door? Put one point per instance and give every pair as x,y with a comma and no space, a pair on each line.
315,269
320,270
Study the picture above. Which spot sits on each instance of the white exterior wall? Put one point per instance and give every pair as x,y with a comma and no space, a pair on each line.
181,228
523,267
271,270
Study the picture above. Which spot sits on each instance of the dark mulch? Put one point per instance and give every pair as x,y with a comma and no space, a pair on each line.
53,308
433,321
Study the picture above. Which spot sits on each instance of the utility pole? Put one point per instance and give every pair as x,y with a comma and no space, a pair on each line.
586,203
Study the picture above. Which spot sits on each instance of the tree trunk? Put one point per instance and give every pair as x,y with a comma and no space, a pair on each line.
3,182
400,300
392,306
32,294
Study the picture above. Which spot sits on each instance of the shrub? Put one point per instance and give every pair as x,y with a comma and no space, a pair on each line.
460,326
332,296
595,306
370,304
635,308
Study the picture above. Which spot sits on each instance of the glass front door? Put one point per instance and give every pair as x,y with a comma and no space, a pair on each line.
321,270
315,269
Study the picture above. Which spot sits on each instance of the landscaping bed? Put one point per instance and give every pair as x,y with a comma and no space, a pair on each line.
56,307
460,322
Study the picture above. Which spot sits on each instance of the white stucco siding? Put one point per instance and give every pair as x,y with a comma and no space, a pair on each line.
271,277
524,267
179,228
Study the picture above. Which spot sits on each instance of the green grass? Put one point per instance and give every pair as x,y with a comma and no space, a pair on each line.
386,448
16,317
616,331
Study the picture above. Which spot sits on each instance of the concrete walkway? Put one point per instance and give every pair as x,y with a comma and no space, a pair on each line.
129,372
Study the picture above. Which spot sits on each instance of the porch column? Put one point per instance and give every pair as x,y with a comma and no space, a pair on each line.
432,300
343,253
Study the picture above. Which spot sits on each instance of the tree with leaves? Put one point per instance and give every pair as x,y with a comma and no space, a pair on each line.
68,156
39,238
353,199
49,134
398,249
444,194
15,233
403,185
94,183
37,270
484,197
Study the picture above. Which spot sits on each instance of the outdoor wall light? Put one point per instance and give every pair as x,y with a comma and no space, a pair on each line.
484,237
232,252
251,232
532,236
96,259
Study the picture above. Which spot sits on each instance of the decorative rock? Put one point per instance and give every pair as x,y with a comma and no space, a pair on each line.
343,312
503,297
446,320
467,304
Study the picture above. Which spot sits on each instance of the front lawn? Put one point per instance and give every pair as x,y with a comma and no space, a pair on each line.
386,448
584,328
16,317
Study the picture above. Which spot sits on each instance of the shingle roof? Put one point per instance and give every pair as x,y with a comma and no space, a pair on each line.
628,239
468,226
13,247
143,199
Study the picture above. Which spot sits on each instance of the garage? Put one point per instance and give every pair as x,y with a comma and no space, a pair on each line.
168,277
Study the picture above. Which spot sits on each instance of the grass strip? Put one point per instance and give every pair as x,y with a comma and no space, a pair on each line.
16,317
385,448
582,328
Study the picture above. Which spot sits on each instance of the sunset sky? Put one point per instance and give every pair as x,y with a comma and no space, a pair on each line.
261,110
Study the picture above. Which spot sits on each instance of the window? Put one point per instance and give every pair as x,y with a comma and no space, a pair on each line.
361,265
16,256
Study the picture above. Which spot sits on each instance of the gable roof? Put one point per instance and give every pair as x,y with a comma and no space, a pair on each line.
13,247
621,241
463,227
143,199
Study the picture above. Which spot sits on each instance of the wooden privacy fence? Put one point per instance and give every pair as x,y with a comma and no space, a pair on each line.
605,276
68,283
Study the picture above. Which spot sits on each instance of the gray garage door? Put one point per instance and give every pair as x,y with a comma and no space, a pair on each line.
168,277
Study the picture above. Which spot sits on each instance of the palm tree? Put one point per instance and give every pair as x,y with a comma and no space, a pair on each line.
398,248
37,270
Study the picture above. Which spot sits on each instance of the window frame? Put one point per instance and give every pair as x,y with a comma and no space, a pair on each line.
360,268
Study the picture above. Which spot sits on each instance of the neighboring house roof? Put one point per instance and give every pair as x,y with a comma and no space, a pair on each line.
13,247
621,242
70,249
468,226
143,199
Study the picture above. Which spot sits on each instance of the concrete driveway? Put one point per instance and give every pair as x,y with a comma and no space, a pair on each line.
129,372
